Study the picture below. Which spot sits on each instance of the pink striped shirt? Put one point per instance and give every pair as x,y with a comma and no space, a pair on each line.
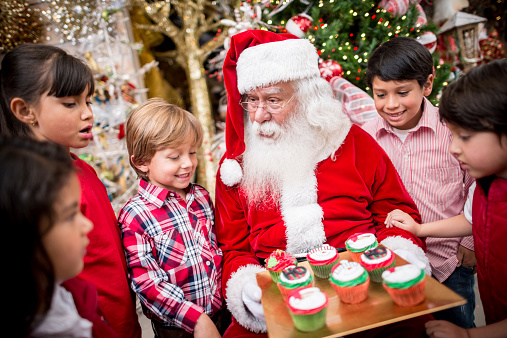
432,176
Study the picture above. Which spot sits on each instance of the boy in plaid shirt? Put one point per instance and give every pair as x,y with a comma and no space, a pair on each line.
168,226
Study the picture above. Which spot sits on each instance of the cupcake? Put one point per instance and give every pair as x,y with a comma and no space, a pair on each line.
322,260
277,261
358,243
308,308
376,261
350,281
406,284
294,278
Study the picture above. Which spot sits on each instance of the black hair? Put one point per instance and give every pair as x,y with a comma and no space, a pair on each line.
399,59
477,101
32,175
30,70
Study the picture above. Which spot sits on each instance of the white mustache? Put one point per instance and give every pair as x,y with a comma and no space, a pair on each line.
267,128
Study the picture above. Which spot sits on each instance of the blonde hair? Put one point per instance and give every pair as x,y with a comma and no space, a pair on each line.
156,125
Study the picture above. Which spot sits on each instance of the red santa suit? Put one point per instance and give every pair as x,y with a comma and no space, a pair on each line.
351,189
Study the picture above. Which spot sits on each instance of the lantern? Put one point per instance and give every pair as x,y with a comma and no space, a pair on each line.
463,29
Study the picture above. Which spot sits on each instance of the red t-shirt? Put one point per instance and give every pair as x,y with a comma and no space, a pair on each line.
104,263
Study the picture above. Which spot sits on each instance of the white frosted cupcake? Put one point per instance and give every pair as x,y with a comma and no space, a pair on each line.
308,308
322,260
406,284
293,278
376,261
359,243
350,281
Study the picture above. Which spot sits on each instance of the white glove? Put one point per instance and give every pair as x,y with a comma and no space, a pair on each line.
412,258
251,296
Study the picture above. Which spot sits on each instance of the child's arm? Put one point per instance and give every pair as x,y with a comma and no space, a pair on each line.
457,226
205,328
442,328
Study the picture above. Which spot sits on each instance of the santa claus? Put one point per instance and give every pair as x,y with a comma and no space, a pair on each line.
296,173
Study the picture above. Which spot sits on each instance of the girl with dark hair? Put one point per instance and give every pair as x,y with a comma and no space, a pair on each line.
45,94
43,206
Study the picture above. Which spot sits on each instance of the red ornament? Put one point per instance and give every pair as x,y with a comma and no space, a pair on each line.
329,69
299,24
428,40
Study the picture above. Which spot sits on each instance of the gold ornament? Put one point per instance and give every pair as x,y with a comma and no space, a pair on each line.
190,54
18,24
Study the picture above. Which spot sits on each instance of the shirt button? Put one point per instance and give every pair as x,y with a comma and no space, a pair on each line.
171,194
208,263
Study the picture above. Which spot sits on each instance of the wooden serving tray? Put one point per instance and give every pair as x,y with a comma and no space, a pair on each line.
343,319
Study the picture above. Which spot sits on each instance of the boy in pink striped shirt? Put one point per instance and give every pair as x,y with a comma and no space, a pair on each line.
400,75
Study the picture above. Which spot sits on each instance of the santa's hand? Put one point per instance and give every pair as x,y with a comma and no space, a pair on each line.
251,296
412,258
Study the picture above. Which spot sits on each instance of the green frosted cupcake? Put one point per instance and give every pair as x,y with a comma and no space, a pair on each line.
277,261
322,260
308,308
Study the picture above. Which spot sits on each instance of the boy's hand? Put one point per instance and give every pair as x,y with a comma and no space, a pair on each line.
205,327
466,257
444,329
402,220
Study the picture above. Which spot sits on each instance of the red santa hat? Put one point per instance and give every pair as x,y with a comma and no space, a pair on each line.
258,58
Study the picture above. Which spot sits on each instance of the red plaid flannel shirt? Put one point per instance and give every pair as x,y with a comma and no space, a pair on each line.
172,254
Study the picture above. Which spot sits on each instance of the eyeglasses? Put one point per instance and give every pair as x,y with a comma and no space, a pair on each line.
253,104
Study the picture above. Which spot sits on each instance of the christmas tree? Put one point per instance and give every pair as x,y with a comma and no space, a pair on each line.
347,31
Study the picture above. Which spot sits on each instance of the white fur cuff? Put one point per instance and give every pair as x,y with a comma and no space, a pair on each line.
409,251
234,301
231,172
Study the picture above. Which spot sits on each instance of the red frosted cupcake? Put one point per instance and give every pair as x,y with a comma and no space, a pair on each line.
350,281
359,243
376,261
308,308
277,261
322,260
406,284
294,278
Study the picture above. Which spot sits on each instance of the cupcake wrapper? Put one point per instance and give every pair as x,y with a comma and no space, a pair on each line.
308,323
410,296
376,274
275,275
285,291
352,294
323,271
356,256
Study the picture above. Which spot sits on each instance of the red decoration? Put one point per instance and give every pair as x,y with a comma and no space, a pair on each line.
428,40
299,24
492,48
329,69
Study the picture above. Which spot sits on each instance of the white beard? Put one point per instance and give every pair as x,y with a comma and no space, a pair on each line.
270,164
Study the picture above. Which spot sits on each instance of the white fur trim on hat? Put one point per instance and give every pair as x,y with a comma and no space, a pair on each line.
231,172
235,302
274,62
409,251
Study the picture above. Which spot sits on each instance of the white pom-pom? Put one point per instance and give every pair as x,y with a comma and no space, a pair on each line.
231,172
